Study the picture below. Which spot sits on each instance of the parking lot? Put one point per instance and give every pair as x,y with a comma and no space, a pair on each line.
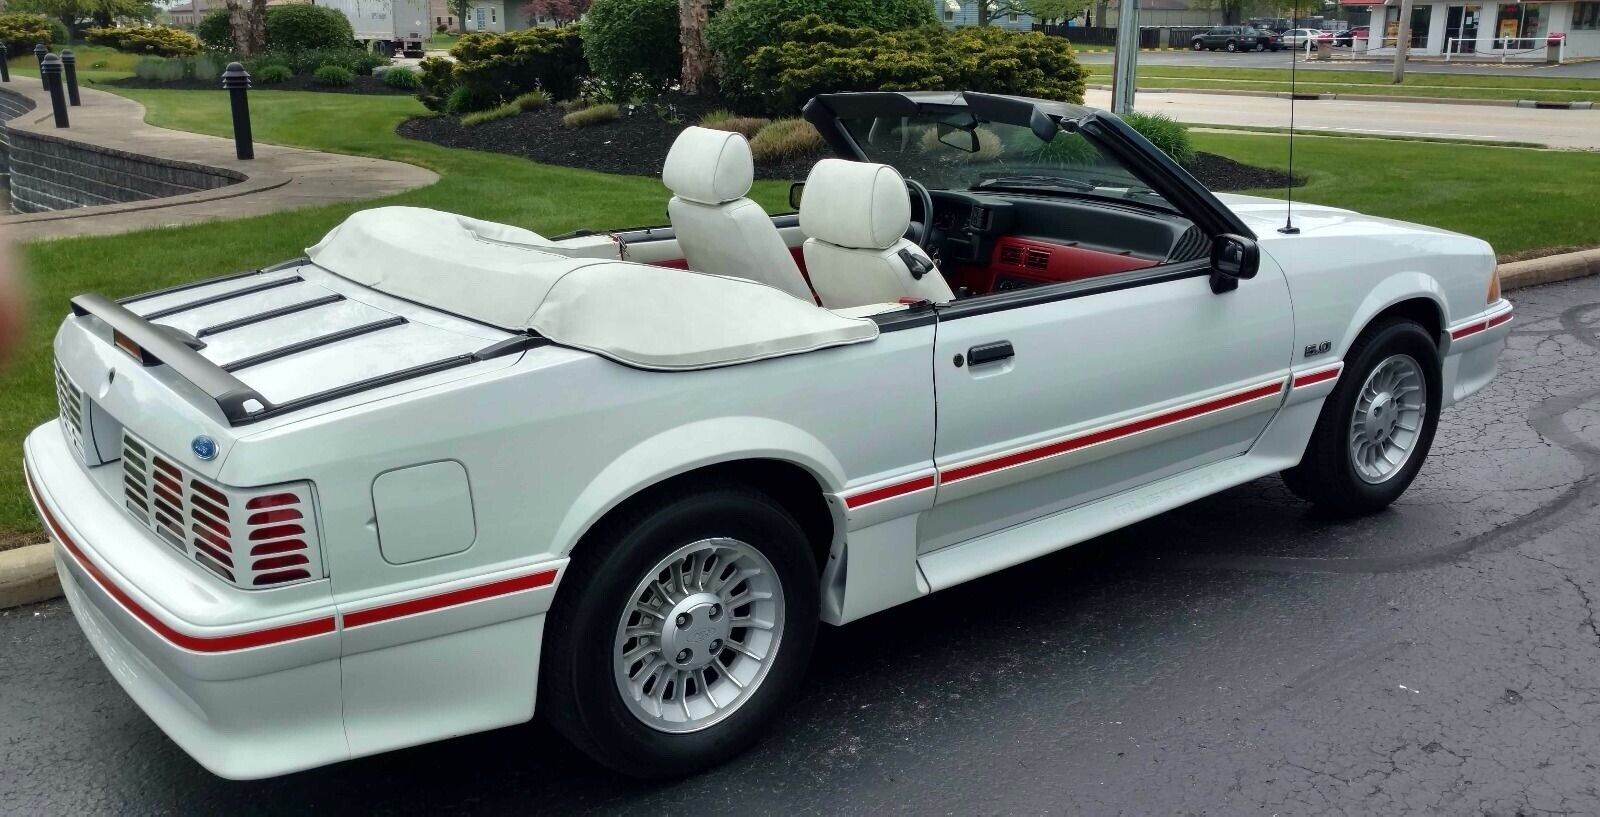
1239,655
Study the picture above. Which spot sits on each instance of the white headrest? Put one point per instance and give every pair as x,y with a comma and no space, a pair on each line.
709,166
855,205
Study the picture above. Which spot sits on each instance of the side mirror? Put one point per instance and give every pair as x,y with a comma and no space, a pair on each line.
797,191
1234,258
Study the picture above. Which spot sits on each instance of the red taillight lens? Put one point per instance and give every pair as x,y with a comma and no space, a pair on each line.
272,501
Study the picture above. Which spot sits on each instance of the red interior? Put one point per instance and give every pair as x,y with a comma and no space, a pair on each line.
1028,261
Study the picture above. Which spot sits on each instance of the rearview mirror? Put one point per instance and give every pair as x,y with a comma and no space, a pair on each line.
797,191
1234,258
962,139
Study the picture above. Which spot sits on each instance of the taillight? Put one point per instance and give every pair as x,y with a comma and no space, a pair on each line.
277,531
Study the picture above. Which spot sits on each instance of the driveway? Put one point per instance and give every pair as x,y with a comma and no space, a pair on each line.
1241,655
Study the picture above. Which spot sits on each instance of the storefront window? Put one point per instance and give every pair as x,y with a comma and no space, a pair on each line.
1516,21
1586,16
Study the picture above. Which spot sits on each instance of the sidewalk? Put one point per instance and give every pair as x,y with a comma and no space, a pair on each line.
277,179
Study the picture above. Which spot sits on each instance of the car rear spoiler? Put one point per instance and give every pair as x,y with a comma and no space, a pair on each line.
157,345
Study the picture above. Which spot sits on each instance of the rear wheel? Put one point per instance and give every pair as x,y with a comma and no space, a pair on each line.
1376,427
680,632
1232,46
1197,45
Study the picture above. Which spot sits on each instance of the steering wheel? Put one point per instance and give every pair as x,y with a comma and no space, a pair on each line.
920,195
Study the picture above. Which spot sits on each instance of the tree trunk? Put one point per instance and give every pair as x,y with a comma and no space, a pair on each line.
983,12
1099,14
248,24
698,64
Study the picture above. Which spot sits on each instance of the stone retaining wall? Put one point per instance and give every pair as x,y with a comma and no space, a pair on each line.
49,172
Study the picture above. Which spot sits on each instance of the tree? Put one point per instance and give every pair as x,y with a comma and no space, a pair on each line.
560,11
1054,10
699,63
1231,10
459,8
248,20
74,13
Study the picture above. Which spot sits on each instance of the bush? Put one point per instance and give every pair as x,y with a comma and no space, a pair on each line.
592,115
462,101
21,32
273,74
148,68
532,101
478,118
576,103
786,139
214,30
496,68
402,78
438,77
162,41
355,60
746,126
819,57
206,67
1164,132
745,26
632,45
333,76
301,27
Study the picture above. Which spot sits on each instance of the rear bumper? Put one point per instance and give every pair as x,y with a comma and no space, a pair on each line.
247,690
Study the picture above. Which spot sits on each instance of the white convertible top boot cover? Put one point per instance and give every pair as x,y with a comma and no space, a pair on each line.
645,316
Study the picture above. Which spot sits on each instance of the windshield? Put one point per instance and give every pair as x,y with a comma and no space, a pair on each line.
955,151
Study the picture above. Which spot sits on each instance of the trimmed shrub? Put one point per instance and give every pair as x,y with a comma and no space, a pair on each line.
355,60
632,45
479,117
21,32
402,78
206,67
1164,132
819,57
214,30
532,101
786,139
302,27
462,101
592,115
273,74
747,126
496,68
438,77
745,26
148,68
162,41
333,76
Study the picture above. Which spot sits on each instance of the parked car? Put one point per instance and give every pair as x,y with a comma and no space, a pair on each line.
440,469
1304,37
1347,38
1235,38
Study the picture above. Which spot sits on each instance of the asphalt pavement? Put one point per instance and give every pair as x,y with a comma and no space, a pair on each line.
1240,655
1280,59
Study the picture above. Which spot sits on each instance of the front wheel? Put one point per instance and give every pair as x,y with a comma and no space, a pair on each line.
1376,427
1197,45
1232,46
681,631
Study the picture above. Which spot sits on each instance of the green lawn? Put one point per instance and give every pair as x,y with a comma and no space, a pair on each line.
1318,81
1460,187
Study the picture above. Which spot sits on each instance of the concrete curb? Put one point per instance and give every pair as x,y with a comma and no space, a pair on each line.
1550,269
1424,100
28,575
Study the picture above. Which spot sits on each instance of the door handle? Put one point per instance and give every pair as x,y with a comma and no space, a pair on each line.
990,352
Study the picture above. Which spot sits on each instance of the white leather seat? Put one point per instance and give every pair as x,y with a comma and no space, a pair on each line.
719,230
855,215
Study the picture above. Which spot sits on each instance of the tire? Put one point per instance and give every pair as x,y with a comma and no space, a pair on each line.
583,673
1328,475
1197,45
1232,46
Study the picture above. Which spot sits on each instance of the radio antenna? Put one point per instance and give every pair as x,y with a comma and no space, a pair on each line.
1288,227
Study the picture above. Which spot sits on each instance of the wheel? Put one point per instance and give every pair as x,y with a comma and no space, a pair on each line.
1232,46
1376,427
680,632
1196,45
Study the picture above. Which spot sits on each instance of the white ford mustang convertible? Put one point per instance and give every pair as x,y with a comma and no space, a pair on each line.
442,469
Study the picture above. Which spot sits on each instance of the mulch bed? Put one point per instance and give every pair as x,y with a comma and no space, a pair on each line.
302,82
636,144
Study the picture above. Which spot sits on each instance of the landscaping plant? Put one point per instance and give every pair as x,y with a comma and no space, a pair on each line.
632,45
333,76
301,27
746,126
786,139
505,111
1164,132
532,101
496,68
162,41
215,31
273,74
745,26
402,78
592,115
819,57
20,32
438,77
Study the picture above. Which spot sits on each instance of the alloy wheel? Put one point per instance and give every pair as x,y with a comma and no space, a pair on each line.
1388,418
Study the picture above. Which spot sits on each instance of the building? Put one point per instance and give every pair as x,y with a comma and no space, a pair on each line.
1002,14
189,14
1514,30
498,16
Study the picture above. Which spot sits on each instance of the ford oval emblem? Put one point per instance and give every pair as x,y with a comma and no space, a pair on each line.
204,447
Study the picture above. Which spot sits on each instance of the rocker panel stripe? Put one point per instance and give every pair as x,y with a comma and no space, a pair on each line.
910,486
1312,378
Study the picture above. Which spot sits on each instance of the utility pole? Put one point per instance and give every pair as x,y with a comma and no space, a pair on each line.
1125,72
1402,42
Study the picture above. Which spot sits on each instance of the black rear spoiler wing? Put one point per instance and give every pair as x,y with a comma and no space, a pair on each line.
156,345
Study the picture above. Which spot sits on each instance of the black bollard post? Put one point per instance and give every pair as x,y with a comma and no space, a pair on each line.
70,64
237,81
50,73
5,67
39,50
